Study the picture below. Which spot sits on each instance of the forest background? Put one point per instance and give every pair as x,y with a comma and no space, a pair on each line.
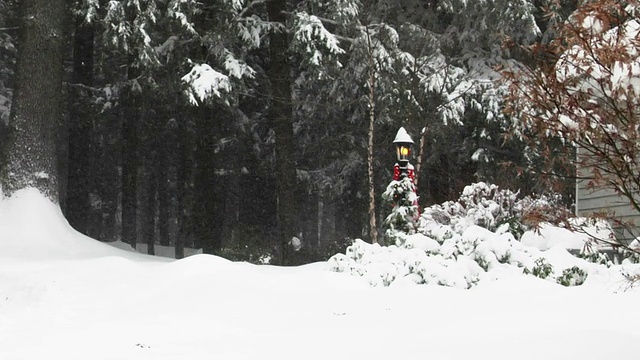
234,126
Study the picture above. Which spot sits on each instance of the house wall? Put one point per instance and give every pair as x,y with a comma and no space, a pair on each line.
590,201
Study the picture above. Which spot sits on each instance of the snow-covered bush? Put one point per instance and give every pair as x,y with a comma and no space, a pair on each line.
573,276
489,207
541,269
402,219
631,254
592,254
459,243
382,265
633,258
459,261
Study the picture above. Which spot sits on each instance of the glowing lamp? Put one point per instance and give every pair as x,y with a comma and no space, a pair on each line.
403,145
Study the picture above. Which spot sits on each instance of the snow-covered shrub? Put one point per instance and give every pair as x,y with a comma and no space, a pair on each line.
541,269
489,206
492,208
458,243
573,276
459,261
501,249
632,254
377,263
592,254
402,220
383,265
631,257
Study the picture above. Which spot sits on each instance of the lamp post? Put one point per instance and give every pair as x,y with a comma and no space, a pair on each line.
401,192
404,144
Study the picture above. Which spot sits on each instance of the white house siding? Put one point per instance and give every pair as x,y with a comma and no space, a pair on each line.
591,201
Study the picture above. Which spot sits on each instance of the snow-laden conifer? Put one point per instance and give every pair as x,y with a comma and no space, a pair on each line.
402,221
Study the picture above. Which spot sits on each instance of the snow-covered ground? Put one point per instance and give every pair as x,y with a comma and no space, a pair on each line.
65,296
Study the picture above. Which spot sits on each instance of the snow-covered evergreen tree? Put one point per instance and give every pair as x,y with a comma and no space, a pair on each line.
402,221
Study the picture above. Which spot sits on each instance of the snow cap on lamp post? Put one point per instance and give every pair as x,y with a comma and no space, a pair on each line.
403,144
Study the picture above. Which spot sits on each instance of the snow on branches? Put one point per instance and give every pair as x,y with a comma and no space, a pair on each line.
402,219
127,26
311,37
203,82
605,63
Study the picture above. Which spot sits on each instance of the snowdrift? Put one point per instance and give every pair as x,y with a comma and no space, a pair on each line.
33,228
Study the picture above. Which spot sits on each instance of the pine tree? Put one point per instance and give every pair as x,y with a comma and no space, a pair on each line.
403,218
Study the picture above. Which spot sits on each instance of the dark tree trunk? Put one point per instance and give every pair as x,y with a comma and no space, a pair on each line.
130,161
80,134
153,143
109,158
281,117
231,211
149,226
208,206
236,161
30,152
163,190
326,226
183,179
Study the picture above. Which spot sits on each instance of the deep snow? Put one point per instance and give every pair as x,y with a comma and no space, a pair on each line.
66,296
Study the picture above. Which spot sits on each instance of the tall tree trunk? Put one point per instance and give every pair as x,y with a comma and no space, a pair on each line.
109,159
151,133
80,134
130,160
422,157
183,179
30,152
149,225
320,222
281,117
236,160
231,203
373,227
329,215
163,189
208,207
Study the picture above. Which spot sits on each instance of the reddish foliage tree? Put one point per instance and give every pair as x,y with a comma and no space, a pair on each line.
581,95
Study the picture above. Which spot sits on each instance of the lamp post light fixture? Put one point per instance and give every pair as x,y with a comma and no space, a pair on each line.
403,145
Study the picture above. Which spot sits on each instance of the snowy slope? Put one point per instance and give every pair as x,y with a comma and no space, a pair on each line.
65,296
